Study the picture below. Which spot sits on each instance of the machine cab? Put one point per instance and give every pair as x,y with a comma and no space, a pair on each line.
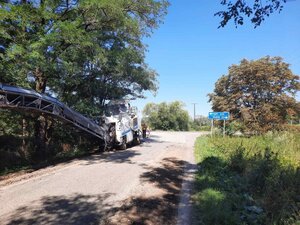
119,107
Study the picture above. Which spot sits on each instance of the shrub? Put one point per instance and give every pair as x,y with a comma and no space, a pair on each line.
259,177
238,161
233,127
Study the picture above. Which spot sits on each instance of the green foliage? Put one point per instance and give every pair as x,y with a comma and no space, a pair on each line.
259,106
196,127
215,207
200,123
234,126
83,52
166,116
17,145
9,123
87,51
257,177
237,159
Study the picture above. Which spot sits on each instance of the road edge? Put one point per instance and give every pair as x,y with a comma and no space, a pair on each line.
185,203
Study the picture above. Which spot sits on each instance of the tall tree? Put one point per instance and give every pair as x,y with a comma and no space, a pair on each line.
256,10
167,116
53,42
259,93
84,51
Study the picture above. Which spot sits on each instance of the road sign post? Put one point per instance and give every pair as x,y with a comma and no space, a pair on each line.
212,127
218,116
224,128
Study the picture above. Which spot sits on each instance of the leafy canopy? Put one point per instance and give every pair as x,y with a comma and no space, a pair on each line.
84,51
259,93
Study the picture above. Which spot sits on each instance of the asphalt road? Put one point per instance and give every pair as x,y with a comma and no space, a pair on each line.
141,185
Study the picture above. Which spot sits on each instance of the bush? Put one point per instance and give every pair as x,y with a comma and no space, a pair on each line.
17,152
238,161
259,178
233,127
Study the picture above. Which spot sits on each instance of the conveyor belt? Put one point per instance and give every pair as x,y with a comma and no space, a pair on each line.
12,97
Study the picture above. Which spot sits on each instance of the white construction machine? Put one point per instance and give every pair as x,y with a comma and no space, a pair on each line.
123,123
117,128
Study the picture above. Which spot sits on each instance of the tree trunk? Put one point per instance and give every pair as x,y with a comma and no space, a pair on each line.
41,131
24,148
40,81
40,134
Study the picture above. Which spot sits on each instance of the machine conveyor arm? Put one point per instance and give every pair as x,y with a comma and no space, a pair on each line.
12,97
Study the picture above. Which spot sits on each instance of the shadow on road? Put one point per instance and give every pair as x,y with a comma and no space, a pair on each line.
154,136
114,157
92,209
76,209
156,210
168,176
146,142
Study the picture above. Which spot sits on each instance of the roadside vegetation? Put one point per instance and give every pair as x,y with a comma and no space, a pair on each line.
200,123
83,53
252,180
17,150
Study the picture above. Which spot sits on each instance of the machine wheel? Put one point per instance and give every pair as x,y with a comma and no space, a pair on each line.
110,142
103,147
123,146
136,140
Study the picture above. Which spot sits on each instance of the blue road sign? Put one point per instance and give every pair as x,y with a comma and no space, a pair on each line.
218,115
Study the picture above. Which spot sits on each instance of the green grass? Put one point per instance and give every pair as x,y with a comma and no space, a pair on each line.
252,180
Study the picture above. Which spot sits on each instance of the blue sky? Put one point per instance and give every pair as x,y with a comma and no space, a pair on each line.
190,53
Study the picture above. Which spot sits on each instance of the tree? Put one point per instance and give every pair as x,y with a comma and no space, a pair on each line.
257,10
200,123
259,93
62,45
83,51
202,120
166,116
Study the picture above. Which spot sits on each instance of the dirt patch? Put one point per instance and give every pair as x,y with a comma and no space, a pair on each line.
156,209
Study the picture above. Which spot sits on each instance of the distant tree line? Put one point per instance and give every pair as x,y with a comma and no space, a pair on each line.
166,116
172,116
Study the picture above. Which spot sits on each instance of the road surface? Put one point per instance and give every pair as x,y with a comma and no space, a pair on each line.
141,185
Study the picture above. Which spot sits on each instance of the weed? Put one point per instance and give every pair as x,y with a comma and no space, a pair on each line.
252,180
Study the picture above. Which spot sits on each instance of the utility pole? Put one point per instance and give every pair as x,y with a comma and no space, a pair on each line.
194,110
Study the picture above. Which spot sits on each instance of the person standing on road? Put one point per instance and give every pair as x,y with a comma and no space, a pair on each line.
144,130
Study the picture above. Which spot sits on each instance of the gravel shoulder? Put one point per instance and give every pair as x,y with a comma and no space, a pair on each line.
141,185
